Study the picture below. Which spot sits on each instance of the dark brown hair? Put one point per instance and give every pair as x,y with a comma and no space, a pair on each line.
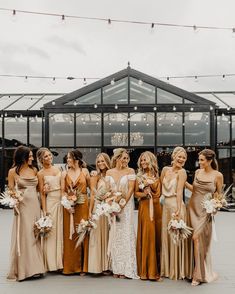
20,157
77,155
210,155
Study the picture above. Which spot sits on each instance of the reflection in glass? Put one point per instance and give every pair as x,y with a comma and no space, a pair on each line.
233,166
223,130
164,97
233,130
224,164
169,129
141,129
141,92
115,129
116,93
197,128
90,98
88,129
16,129
35,131
61,129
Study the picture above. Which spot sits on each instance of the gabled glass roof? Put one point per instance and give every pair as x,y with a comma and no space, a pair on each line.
221,99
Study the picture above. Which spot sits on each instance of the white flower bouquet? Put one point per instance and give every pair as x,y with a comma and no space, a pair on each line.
67,204
145,181
178,230
12,198
212,203
42,227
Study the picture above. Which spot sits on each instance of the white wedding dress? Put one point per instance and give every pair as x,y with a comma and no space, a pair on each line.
123,243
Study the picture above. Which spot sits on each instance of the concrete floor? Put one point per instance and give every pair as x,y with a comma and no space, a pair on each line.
223,260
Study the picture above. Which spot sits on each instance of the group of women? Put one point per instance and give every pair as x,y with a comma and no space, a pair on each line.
112,247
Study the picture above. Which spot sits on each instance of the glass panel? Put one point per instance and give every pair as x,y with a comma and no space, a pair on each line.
88,129
233,167
0,131
233,130
61,129
223,130
164,97
23,103
141,92
90,98
116,93
169,129
224,164
228,98
7,100
197,128
16,130
115,129
212,98
35,131
186,101
46,99
141,129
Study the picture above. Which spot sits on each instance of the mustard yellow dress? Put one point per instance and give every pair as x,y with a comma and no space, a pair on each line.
149,236
76,259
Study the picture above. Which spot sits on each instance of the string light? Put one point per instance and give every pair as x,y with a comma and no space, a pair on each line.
126,21
112,82
116,106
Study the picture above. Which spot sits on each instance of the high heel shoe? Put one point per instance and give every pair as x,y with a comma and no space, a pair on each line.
195,283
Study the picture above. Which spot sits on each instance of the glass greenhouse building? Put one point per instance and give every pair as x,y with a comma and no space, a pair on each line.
128,109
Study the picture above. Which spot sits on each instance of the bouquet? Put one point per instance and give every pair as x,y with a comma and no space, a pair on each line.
83,228
76,195
12,198
178,230
212,203
42,227
145,181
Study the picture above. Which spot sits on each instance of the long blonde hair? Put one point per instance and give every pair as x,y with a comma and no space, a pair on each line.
117,153
106,160
151,159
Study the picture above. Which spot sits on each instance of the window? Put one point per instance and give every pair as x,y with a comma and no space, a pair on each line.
164,97
141,92
142,129
223,130
116,93
116,129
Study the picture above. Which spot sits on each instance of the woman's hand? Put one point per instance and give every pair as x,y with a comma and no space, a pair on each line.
46,188
147,191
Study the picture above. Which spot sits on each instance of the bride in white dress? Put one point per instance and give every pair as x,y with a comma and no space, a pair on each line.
122,241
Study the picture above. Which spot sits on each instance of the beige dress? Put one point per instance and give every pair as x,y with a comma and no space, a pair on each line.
53,244
202,225
174,258
26,253
98,243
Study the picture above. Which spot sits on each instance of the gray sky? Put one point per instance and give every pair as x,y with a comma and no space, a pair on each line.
41,45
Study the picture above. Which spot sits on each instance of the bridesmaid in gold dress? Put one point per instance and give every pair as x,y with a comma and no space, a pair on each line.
149,218
26,253
207,180
49,178
98,242
174,258
75,182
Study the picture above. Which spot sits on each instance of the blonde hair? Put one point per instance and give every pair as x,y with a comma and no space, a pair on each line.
151,159
40,155
117,153
106,160
177,151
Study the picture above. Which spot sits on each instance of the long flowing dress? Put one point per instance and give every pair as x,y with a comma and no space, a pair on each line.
174,258
202,226
122,239
76,259
53,244
98,242
149,236
26,252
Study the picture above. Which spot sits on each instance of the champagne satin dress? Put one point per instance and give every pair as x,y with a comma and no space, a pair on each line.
202,225
76,259
53,244
149,236
174,258
26,252
98,242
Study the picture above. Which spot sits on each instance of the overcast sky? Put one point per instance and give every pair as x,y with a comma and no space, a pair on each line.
43,45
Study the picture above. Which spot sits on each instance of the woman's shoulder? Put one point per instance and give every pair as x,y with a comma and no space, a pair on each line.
12,171
85,171
130,171
218,174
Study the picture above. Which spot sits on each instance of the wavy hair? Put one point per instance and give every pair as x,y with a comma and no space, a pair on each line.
151,160
117,153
